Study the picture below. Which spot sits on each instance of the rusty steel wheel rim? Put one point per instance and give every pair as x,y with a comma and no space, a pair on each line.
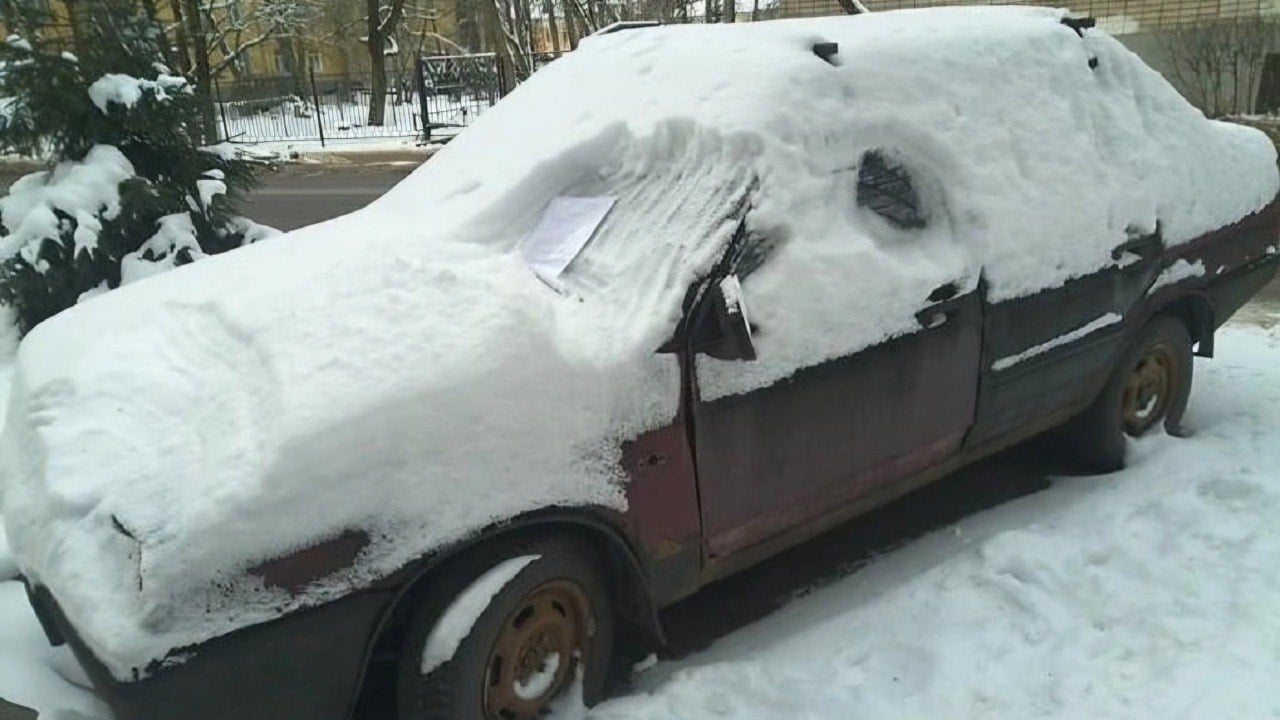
1149,389
537,652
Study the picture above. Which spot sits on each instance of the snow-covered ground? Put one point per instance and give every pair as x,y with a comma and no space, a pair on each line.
408,150
1151,593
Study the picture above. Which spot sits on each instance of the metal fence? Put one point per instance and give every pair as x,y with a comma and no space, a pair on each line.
320,108
434,100
455,89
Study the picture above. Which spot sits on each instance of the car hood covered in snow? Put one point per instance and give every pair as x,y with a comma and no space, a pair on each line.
400,371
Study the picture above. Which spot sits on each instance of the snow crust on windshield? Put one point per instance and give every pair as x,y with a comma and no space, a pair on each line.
401,371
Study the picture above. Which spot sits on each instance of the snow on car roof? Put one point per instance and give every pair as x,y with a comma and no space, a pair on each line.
400,371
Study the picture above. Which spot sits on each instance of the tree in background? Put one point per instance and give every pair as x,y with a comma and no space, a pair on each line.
382,20
131,190
1219,65
211,37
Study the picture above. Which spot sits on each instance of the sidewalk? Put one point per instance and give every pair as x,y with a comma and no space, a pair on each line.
392,153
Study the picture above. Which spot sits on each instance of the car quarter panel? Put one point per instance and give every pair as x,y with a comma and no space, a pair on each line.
1231,264
1229,267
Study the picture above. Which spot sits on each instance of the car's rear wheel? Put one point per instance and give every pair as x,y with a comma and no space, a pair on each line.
546,633
1149,386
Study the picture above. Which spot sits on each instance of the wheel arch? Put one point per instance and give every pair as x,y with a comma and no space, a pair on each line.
1196,311
627,580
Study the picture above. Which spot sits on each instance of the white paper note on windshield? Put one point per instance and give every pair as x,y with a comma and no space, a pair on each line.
565,228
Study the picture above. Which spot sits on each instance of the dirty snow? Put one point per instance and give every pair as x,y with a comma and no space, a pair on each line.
406,347
456,621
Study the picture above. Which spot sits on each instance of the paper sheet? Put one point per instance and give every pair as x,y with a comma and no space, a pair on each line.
564,229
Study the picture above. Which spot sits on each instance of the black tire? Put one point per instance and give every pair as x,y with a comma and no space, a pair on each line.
1097,440
459,688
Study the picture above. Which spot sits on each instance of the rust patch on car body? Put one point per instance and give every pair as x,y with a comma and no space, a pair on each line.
296,571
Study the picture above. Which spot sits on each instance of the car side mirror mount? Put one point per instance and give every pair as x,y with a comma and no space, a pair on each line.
724,330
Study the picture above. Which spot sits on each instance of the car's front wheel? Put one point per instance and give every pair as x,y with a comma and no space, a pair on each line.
1149,386
507,633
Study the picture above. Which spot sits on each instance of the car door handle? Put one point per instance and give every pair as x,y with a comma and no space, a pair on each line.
1147,247
937,314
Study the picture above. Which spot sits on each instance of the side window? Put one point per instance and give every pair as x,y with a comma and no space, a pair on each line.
885,188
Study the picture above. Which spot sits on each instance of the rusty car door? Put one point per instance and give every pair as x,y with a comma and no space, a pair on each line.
774,457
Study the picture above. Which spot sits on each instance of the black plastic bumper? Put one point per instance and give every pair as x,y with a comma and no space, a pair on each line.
304,666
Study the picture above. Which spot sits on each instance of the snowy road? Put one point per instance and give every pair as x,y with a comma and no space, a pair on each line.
1151,593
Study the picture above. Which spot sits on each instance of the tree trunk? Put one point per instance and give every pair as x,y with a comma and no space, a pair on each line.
380,29
501,43
526,10
376,44
201,70
570,24
301,61
553,27
468,27
74,22
580,19
294,56
182,44
166,47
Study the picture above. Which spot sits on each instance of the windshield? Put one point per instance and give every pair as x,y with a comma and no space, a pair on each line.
669,225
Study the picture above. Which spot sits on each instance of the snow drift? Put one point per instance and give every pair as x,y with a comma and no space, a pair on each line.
400,371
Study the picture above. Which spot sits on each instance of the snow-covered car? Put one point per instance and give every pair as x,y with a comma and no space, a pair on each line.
687,297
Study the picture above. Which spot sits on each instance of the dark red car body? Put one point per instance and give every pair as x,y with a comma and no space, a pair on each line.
734,480
707,494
